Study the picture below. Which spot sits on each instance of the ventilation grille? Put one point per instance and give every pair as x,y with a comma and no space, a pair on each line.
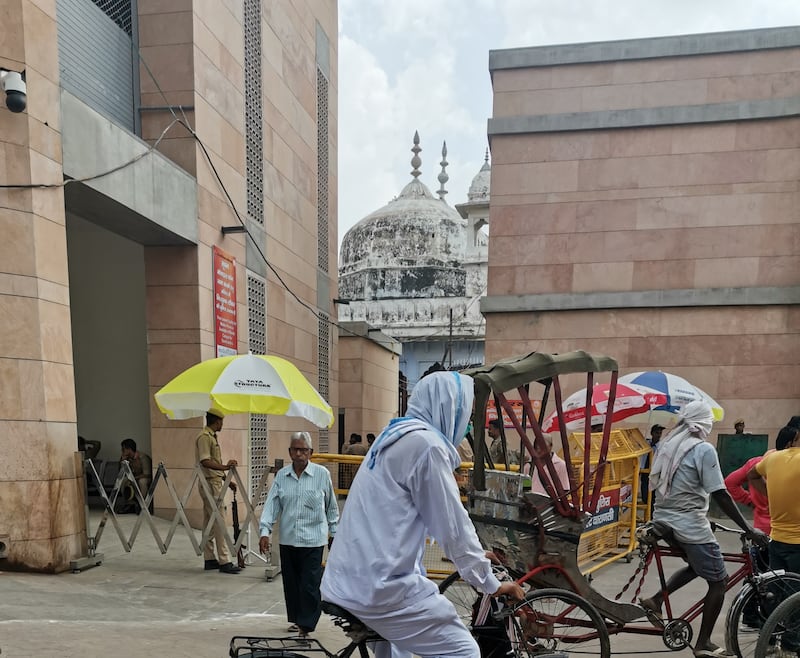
254,141
324,372
118,11
96,60
323,244
257,337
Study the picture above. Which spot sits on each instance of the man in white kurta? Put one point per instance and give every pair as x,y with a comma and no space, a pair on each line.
404,491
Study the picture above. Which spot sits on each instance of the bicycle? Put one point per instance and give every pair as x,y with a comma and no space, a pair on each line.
761,592
772,640
553,619
547,622
242,646
361,636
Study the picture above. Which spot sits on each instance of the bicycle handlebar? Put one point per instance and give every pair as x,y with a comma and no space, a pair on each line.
718,526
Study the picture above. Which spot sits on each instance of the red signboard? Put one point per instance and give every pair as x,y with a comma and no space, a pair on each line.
491,412
225,326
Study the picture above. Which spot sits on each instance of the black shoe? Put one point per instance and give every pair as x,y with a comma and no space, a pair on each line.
229,567
211,564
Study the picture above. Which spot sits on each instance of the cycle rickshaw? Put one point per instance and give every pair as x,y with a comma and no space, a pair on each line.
536,537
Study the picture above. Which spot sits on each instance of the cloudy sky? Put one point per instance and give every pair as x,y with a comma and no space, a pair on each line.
407,65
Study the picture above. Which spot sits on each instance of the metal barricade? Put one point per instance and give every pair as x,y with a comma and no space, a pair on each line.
610,532
125,479
343,469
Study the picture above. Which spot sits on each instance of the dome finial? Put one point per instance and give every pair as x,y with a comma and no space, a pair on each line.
486,166
443,177
416,161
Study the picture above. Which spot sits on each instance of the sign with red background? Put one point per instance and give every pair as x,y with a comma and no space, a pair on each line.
225,325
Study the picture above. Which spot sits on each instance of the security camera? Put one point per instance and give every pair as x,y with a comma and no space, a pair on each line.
16,92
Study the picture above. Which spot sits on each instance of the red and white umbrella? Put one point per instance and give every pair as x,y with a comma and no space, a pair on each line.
630,400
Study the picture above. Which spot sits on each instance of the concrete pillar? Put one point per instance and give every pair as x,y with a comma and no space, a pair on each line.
41,498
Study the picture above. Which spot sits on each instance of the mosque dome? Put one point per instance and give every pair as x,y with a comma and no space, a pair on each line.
411,247
479,189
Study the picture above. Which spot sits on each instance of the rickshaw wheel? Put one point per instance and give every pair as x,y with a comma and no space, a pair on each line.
550,621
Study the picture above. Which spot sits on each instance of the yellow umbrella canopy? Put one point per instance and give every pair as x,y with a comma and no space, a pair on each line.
244,383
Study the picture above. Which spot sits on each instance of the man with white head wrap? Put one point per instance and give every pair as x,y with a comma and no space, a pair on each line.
685,474
404,492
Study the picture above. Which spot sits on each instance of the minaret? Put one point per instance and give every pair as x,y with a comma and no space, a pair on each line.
416,161
443,177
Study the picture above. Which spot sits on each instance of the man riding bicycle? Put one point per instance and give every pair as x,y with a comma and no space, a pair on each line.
404,492
685,473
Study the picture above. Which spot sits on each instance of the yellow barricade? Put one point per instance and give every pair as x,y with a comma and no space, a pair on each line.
610,533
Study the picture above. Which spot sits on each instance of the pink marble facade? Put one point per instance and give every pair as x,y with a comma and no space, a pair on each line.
701,206
41,499
196,52
368,385
207,41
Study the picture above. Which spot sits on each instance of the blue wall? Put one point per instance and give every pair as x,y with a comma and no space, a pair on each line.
418,357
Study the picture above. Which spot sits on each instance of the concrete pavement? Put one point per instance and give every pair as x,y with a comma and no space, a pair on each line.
147,604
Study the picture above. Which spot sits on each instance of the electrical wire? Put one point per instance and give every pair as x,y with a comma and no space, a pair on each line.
184,121
463,315
229,199
102,174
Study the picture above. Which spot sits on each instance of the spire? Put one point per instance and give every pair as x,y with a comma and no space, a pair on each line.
416,161
486,166
443,177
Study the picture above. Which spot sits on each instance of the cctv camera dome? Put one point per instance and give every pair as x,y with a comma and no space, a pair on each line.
16,101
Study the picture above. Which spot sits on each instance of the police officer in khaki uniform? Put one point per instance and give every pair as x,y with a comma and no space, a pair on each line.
209,456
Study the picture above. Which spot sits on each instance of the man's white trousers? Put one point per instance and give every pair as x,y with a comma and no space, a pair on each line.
429,628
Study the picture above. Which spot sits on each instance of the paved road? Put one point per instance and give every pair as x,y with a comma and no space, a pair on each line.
147,604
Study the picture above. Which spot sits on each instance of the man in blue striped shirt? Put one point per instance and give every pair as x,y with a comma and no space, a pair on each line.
302,495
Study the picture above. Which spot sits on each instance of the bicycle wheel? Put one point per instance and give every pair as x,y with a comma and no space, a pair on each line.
780,634
490,634
759,601
555,621
462,595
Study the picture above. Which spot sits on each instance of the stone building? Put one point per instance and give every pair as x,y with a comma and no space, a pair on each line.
415,269
645,205
108,285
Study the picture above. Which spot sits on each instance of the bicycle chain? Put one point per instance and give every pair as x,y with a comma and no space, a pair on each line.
644,551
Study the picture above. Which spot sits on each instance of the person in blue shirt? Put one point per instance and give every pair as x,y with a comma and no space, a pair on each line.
302,496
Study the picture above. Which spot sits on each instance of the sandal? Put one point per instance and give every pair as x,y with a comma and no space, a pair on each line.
653,614
293,628
719,652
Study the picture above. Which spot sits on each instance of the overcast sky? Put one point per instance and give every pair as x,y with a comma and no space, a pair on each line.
407,65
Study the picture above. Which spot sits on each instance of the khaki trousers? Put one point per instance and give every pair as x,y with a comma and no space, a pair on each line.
217,535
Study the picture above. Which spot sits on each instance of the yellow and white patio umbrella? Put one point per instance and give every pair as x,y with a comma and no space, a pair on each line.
244,383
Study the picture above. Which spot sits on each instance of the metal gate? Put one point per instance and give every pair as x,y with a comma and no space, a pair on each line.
125,481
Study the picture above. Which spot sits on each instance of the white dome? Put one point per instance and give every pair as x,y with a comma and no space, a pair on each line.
479,189
412,246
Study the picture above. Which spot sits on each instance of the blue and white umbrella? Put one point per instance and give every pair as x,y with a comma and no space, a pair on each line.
679,393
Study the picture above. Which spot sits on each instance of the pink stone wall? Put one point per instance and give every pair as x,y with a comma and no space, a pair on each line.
369,380
659,82
638,209
194,51
703,206
207,44
289,78
41,501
